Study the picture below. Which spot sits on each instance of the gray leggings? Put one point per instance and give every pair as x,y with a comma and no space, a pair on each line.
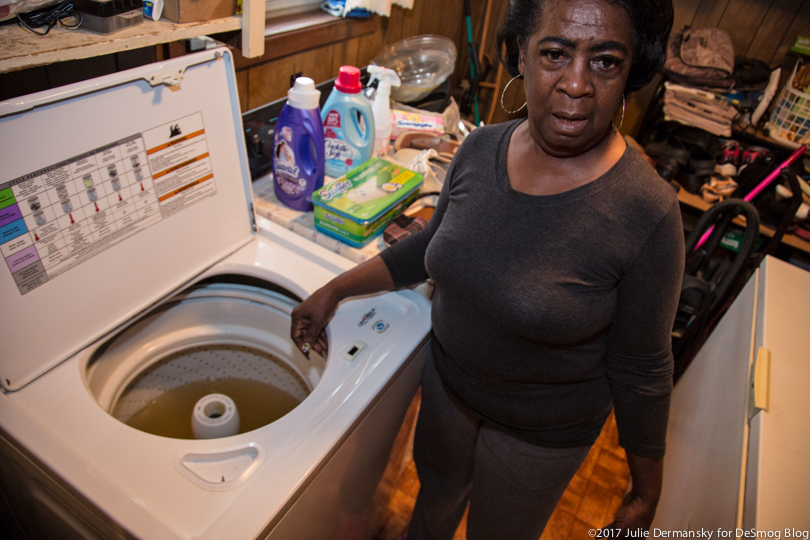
512,486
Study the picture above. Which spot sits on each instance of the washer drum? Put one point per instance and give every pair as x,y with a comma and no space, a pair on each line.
215,339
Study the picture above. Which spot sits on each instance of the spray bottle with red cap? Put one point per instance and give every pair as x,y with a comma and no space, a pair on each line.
348,124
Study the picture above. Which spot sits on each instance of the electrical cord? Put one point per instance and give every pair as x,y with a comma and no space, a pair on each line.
63,14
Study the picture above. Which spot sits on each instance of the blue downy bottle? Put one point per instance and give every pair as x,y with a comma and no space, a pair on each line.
348,124
298,150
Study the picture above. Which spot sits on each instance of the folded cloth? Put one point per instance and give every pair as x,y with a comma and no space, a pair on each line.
402,227
699,108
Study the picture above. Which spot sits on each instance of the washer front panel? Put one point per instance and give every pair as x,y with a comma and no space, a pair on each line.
113,192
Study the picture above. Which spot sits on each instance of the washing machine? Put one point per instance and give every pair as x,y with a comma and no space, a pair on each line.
149,386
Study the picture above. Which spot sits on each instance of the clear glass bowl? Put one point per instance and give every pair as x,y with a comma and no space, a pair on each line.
422,63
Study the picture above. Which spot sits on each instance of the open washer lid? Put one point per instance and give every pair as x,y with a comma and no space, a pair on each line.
113,193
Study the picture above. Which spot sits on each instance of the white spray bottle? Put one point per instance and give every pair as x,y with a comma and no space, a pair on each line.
381,108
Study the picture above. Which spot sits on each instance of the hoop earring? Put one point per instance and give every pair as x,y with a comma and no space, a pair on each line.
504,92
616,129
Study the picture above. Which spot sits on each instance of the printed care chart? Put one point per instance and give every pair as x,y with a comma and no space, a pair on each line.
55,218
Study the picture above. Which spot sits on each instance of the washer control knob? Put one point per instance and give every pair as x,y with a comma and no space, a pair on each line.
380,326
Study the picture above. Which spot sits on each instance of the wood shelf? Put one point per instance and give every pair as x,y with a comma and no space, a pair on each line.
21,49
697,203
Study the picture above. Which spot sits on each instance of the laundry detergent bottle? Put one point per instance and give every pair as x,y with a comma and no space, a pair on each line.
348,124
298,148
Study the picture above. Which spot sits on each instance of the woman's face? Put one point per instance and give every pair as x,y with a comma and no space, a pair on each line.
575,67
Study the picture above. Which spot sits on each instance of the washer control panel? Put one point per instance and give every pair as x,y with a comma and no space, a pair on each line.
365,324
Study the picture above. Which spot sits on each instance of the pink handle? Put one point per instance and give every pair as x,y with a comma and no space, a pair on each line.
762,185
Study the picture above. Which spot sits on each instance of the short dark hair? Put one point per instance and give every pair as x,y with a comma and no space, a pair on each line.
651,20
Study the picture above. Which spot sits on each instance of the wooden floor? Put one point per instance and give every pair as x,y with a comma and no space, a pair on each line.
591,500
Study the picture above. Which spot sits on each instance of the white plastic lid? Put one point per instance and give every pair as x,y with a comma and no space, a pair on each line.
303,94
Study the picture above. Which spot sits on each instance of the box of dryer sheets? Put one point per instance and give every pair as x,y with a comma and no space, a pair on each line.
357,206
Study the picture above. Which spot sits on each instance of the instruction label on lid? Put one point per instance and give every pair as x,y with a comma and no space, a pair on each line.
55,218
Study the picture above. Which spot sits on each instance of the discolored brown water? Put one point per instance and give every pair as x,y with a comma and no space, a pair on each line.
169,415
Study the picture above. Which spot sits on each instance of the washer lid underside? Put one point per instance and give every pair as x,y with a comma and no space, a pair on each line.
95,264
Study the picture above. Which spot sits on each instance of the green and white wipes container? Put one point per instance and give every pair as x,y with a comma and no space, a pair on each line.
357,206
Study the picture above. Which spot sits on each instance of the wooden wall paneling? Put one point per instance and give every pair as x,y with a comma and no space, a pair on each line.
343,53
445,17
709,13
62,73
266,82
489,97
22,82
685,11
636,107
774,26
368,47
409,19
435,17
455,27
295,41
496,17
392,27
135,58
741,20
242,89
270,81
479,18
314,64
799,27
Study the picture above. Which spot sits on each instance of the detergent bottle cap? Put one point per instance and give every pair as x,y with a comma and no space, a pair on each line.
348,80
303,94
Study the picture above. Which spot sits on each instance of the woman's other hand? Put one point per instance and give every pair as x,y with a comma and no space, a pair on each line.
635,514
638,507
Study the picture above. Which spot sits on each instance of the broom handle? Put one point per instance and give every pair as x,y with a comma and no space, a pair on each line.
762,185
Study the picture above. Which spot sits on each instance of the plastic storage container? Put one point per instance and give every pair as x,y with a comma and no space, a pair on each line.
298,147
356,207
348,124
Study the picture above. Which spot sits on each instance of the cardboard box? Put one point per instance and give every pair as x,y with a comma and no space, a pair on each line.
183,11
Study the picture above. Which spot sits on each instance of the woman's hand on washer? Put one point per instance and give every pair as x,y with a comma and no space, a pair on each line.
310,317
309,320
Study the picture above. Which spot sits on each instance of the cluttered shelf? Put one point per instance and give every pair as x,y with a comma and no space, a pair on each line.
695,204
21,49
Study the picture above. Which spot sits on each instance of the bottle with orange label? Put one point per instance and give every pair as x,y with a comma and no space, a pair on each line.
348,124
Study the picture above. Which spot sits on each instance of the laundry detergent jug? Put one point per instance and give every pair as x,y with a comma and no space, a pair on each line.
298,147
348,124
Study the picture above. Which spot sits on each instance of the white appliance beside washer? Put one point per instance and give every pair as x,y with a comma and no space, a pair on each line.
134,270
738,440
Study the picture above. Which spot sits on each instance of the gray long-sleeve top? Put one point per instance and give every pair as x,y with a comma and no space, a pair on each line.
549,309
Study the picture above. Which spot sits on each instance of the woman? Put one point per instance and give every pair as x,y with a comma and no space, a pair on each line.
556,253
